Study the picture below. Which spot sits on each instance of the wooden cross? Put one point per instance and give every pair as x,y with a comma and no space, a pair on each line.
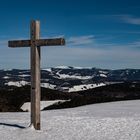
35,44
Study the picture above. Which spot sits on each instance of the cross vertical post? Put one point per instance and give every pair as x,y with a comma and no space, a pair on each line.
35,75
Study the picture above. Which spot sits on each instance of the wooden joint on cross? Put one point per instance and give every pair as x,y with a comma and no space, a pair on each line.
33,43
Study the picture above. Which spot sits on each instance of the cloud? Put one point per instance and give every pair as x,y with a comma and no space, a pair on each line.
137,43
130,19
116,57
57,36
125,18
94,55
80,40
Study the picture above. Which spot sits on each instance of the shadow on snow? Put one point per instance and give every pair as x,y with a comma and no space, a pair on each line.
13,125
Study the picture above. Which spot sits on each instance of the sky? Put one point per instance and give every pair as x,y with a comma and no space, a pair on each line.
98,33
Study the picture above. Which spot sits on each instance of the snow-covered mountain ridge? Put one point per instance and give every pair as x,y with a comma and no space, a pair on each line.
70,78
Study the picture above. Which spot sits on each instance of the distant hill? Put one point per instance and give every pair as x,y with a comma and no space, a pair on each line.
80,86
70,79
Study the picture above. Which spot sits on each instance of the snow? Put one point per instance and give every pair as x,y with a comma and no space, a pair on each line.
75,67
6,77
103,75
62,67
25,71
23,83
64,76
47,85
17,83
24,75
48,69
85,87
103,72
27,106
51,86
106,121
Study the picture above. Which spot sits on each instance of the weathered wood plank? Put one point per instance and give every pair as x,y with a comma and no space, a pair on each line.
50,42
35,75
19,43
39,42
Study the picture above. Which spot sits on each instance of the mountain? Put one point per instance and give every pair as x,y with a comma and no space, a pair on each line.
79,86
70,79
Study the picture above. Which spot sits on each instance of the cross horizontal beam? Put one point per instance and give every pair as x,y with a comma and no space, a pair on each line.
39,42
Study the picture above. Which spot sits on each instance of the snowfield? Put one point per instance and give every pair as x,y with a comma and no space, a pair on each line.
18,83
85,87
107,121
27,106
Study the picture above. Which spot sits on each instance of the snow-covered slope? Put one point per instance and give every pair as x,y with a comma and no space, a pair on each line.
85,87
17,83
107,121
27,106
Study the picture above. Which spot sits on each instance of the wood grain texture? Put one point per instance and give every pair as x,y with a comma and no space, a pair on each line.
37,42
35,75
